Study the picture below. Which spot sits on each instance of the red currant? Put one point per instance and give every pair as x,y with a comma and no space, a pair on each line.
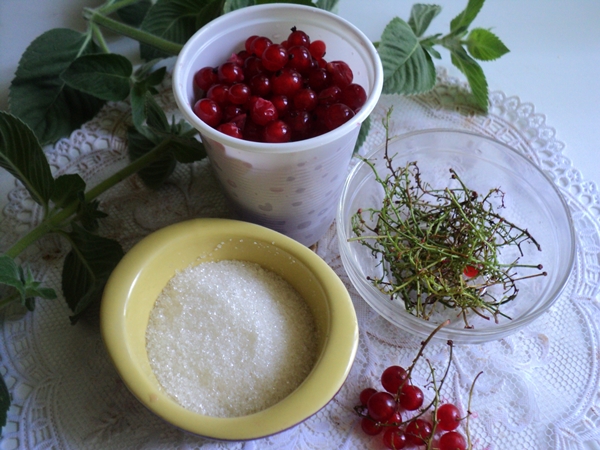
281,103
274,57
365,395
381,406
318,79
277,131
300,123
370,426
239,93
259,45
305,99
393,377
205,78
298,37
394,438
317,49
286,82
340,72
329,96
448,417
411,397
299,59
354,96
470,271
452,441
231,112
248,43
230,72
263,111
219,93
260,85
337,114
208,111
252,66
418,432
231,129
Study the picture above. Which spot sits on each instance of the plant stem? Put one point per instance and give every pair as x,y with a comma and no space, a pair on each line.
111,7
51,223
95,16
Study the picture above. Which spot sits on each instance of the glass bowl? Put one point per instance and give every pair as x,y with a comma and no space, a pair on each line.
141,275
531,201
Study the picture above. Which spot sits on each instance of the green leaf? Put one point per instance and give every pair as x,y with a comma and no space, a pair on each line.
4,401
328,5
484,45
66,189
407,67
296,2
134,14
139,100
22,156
460,23
475,76
421,16
87,268
187,150
155,116
177,21
232,5
40,97
362,133
10,274
105,76
158,171
88,213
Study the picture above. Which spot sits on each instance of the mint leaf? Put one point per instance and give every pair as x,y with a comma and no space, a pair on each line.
421,16
362,133
105,76
10,274
40,97
484,45
22,156
140,98
460,23
232,5
177,21
67,188
407,67
22,280
88,213
328,5
475,76
87,268
4,402
134,14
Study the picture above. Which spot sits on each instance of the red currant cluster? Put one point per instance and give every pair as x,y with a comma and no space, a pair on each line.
382,411
277,92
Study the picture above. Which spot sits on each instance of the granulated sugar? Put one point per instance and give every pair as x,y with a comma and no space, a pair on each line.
230,338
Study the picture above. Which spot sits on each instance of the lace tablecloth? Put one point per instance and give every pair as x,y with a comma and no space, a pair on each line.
540,388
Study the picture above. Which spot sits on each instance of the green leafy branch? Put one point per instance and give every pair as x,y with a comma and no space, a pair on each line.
65,77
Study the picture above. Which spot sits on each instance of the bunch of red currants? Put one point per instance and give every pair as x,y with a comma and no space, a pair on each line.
382,412
277,93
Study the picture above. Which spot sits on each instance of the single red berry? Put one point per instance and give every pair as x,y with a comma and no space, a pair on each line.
448,417
300,123
253,132
452,441
260,85
317,49
365,395
470,271
395,420
305,99
418,432
340,72
219,92
205,78
354,96
394,438
208,111
230,73
329,95
410,397
298,37
277,132
252,66
259,45
239,93
248,43
282,104
299,59
230,112
370,426
230,129
381,406
337,115
392,378
236,59
274,57
286,82
318,79
263,111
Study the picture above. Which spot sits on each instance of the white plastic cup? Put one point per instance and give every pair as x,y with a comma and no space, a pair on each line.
295,187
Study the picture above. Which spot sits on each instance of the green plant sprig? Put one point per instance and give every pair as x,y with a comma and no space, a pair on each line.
428,240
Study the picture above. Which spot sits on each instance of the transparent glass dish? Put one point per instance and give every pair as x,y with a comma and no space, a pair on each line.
531,201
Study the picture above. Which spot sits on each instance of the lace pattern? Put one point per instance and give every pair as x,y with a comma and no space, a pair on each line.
540,388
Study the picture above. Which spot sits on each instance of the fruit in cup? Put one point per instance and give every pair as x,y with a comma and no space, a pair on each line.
277,92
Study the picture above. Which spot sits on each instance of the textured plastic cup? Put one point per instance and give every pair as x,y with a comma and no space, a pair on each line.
293,188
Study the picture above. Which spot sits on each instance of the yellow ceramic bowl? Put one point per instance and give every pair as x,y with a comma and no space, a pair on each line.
136,282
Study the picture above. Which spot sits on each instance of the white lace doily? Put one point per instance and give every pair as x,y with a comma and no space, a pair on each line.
540,388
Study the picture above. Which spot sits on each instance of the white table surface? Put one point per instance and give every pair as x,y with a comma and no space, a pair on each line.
554,62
